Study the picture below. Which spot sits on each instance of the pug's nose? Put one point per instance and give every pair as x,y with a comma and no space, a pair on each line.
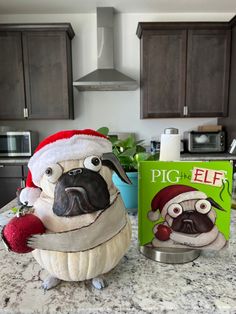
74,172
190,212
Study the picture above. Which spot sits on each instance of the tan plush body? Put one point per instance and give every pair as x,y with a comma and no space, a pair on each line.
111,227
88,264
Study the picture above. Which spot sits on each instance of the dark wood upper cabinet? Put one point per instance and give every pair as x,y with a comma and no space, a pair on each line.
163,73
12,94
230,122
208,61
184,69
41,70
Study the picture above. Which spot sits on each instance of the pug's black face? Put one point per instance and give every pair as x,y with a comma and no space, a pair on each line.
80,191
192,222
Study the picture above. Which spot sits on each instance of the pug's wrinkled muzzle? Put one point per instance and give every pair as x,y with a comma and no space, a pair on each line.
80,191
192,222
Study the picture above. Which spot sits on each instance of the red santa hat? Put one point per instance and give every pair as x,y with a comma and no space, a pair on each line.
64,145
169,195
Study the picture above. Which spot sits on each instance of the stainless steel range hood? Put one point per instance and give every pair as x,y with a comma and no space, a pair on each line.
105,77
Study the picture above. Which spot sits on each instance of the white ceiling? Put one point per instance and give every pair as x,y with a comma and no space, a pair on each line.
122,6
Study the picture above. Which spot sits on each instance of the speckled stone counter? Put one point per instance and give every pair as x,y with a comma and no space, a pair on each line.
136,285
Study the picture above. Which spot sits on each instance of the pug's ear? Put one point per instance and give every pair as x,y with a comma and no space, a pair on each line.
214,204
111,161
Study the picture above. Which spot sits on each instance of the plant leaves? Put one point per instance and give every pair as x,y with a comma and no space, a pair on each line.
103,130
15,210
153,157
129,142
140,149
130,152
113,139
141,156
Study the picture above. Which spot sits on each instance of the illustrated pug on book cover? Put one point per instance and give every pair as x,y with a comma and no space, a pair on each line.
185,204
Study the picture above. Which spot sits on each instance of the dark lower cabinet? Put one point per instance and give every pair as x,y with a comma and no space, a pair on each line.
184,69
11,178
36,71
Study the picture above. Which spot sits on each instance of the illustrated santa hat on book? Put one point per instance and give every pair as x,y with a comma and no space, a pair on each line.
170,195
63,145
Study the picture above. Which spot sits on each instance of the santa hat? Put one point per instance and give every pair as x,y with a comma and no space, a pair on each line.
64,145
169,195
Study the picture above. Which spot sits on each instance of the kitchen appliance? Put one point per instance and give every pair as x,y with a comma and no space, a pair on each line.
206,142
18,143
105,77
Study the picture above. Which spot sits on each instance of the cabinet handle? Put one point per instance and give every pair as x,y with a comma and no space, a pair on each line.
26,113
185,110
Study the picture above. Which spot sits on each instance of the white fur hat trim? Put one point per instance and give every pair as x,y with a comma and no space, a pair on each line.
153,215
29,195
75,147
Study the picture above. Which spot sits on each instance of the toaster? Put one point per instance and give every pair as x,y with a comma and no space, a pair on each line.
206,142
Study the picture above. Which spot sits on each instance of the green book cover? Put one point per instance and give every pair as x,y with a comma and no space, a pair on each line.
184,204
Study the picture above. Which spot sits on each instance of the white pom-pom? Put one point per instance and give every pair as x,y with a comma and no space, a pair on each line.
153,215
29,195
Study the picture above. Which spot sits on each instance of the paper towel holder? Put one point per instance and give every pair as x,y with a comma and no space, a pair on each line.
170,255
171,131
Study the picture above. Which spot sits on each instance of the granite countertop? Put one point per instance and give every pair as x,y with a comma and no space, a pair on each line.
136,285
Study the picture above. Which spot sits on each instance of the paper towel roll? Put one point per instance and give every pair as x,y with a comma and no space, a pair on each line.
170,147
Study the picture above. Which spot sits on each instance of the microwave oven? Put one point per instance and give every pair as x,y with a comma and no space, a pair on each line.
18,143
206,142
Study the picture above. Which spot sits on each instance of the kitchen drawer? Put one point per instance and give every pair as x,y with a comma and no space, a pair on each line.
10,171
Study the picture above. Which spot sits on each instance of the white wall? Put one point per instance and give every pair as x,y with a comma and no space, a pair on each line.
119,111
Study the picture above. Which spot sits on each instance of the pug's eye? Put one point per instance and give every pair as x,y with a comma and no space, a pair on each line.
174,210
93,163
53,173
203,206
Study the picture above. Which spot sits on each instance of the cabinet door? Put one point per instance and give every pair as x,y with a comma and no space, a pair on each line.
8,187
12,94
10,180
163,69
47,74
207,72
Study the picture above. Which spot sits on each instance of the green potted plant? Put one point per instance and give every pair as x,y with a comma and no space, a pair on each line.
129,152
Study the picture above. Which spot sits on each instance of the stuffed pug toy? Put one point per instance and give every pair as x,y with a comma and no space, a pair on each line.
79,228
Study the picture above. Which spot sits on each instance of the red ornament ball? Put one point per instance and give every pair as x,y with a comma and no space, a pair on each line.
163,233
19,229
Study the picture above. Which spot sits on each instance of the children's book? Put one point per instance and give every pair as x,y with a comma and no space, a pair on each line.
184,204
